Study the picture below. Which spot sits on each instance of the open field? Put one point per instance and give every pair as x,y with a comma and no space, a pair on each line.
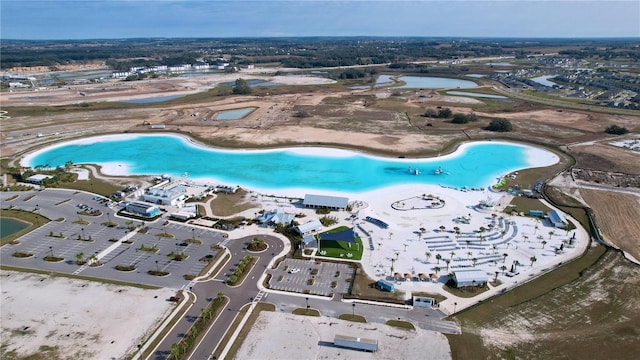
617,217
91,320
284,336
591,317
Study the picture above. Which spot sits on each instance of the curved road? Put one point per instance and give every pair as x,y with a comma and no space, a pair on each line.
208,290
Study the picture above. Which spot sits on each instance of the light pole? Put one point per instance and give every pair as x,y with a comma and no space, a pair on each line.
82,229
353,311
454,307
193,234
157,268
51,251
108,218
307,300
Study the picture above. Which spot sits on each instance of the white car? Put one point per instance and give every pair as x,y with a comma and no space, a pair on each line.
294,271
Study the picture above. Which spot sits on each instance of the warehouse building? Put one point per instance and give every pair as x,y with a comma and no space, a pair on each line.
470,278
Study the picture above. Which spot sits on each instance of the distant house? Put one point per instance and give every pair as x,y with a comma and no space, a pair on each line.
309,228
37,178
171,195
323,201
470,278
309,242
276,217
557,219
142,209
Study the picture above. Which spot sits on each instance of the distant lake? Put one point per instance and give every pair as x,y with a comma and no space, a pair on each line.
10,226
480,95
384,80
428,82
543,80
234,114
152,99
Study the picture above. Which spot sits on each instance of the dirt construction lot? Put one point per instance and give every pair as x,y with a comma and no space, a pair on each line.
617,215
46,317
593,317
286,336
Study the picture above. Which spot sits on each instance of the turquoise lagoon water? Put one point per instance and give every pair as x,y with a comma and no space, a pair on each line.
475,164
235,114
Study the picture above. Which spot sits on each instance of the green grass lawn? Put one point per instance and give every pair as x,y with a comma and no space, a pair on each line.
340,249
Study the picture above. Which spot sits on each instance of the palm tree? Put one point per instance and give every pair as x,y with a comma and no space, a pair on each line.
405,247
525,237
442,227
474,260
453,254
448,262
468,243
503,268
502,234
496,278
551,233
543,243
469,255
428,255
505,257
438,257
493,249
79,257
533,259
93,258
397,255
437,270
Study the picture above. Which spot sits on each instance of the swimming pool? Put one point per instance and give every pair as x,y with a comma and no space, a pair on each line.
474,164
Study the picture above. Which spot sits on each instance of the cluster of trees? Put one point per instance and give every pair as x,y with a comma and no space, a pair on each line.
616,130
182,348
239,271
290,52
241,87
500,125
446,113
443,113
459,118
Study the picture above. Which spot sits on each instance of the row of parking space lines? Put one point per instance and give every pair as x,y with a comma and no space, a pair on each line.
321,292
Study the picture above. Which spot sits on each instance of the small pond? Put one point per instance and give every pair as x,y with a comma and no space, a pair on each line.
10,226
235,114
152,99
428,82
544,80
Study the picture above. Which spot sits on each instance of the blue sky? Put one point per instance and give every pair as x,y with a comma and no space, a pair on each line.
98,19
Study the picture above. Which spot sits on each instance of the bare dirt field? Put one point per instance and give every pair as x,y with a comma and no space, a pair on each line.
47,317
287,336
594,317
604,157
617,216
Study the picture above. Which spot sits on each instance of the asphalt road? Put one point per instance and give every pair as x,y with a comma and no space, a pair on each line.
207,291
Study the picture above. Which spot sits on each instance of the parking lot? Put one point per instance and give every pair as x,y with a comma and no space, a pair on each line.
70,234
311,277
